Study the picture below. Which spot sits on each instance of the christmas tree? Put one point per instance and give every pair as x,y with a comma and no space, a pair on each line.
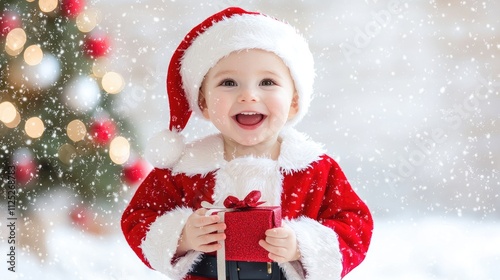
58,127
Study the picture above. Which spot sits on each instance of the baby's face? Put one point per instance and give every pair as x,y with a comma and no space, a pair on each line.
249,96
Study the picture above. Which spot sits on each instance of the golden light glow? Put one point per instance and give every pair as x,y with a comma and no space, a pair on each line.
33,55
87,20
119,150
15,40
7,112
13,52
76,130
112,82
34,127
66,153
99,68
47,6
15,122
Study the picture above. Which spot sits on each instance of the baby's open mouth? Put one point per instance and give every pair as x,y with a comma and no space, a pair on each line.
249,118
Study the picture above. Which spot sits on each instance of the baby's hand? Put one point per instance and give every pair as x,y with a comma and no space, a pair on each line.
200,233
281,243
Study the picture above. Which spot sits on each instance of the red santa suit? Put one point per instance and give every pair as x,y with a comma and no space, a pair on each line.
332,224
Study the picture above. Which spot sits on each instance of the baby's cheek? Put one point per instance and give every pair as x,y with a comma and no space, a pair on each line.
220,120
278,120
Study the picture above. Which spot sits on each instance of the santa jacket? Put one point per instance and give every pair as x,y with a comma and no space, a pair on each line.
332,224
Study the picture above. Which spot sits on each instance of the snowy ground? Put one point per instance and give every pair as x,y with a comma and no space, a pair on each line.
433,248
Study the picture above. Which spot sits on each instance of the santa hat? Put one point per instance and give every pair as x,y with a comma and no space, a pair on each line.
227,31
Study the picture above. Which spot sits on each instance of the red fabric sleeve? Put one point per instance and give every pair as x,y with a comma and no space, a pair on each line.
155,196
323,193
348,216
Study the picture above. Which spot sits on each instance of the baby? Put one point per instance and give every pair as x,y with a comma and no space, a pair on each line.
251,76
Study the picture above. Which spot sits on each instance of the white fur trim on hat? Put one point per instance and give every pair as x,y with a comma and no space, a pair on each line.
164,149
249,31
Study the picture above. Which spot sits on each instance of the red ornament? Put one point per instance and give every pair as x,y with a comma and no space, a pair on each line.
134,173
85,219
96,45
25,167
25,172
103,131
8,21
72,8
80,216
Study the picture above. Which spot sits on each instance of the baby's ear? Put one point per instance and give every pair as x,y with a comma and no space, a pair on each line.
202,104
294,106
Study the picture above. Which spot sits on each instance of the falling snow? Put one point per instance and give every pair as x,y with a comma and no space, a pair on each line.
406,99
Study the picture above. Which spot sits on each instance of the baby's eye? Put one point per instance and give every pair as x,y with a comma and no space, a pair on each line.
228,83
267,82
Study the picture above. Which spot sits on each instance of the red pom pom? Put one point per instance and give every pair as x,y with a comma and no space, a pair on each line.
96,45
135,172
8,21
103,131
72,8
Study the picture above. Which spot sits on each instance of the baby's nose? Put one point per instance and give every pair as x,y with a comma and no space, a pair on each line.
248,95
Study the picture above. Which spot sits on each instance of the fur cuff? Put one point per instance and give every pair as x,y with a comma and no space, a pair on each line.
319,247
161,241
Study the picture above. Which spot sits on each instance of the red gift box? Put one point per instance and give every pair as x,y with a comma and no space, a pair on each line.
244,229
246,224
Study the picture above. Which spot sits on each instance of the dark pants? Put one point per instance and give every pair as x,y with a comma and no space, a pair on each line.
207,267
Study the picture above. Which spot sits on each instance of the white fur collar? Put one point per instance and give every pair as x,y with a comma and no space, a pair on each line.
207,155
